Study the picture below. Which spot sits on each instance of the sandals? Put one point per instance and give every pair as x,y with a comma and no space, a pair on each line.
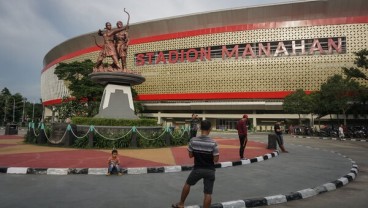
177,206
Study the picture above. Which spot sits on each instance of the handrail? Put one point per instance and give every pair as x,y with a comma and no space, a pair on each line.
133,129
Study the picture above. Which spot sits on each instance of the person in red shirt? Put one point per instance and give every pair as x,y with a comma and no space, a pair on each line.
242,128
114,162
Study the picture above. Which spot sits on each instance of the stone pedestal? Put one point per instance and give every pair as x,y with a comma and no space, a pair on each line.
117,101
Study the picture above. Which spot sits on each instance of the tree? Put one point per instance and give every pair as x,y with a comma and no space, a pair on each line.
82,88
361,107
340,94
138,107
33,111
362,62
11,106
318,106
4,104
296,103
17,105
70,108
5,92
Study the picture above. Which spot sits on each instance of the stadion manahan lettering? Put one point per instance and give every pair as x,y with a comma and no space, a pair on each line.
316,46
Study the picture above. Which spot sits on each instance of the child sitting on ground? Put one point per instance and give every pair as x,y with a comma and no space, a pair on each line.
114,162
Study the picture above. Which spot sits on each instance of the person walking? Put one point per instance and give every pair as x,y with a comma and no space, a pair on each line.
279,138
242,128
205,152
341,131
194,125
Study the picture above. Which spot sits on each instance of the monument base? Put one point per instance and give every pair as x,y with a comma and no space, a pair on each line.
117,102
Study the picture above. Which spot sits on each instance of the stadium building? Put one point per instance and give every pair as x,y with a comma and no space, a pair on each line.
223,64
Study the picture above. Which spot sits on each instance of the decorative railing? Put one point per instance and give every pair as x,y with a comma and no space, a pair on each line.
83,136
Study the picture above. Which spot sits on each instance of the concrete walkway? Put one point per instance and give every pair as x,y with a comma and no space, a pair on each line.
302,173
15,153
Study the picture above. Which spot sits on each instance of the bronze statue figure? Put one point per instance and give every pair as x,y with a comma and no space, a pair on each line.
115,46
122,41
108,49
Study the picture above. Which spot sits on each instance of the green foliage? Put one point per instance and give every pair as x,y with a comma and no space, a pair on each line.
82,88
30,138
361,107
152,139
113,122
297,103
5,92
108,138
81,142
362,62
32,134
361,59
363,94
318,106
144,140
340,94
138,107
338,91
16,104
113,141
69,108
180,138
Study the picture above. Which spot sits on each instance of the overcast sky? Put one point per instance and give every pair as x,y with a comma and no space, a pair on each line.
31,28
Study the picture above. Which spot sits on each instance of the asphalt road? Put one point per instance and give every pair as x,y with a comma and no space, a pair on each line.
304,167
355,194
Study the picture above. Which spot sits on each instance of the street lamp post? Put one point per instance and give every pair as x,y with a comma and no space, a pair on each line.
6,100
13,109
33,112
24,104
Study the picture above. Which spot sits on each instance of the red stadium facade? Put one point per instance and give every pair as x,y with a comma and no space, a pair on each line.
223,64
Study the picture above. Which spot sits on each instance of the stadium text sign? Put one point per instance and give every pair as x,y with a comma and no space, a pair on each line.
317,46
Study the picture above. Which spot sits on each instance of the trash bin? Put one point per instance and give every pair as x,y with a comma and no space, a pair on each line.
272,141
11,129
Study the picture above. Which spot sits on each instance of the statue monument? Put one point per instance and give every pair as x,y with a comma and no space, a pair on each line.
117,101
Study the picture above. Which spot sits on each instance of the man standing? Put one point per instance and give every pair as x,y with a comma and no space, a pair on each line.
341,131
194,125
206,154
279,138
242,128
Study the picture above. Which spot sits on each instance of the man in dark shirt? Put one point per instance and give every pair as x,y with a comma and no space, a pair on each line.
242,128
194,125
279,138
206,154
